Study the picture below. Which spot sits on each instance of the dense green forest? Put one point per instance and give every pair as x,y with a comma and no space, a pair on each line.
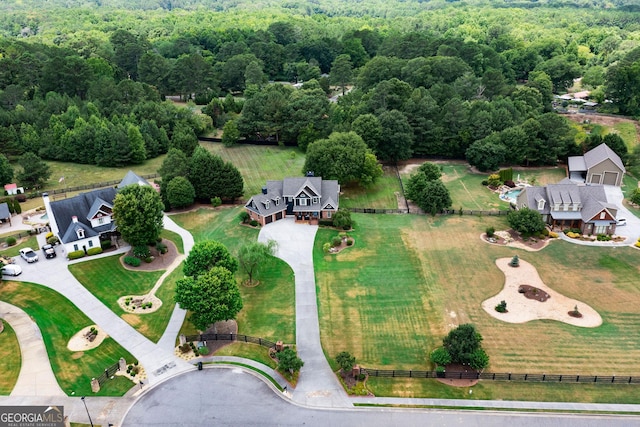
85,81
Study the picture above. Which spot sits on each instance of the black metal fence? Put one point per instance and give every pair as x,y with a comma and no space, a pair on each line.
231,337
108,373
552,378
421,212
94,185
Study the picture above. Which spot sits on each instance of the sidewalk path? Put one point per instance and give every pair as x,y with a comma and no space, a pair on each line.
317,385
36,376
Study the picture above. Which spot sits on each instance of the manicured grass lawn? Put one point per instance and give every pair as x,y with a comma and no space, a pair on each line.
409,279
269,309
382,195
468,193
108,280
629,184
258,164
249,351
72,369
30,242
627,132
10,359
502,390
175,238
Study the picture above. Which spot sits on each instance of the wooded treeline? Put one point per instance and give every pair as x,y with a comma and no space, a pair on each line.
453,79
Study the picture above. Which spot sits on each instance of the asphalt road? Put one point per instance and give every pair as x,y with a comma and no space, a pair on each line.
234,397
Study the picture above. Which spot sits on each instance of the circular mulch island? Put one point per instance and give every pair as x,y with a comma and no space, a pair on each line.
531,292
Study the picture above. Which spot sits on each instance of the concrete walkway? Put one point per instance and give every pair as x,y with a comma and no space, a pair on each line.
36,376
317,385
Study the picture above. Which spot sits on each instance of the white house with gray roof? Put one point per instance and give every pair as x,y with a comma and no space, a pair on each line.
571,205
306,198
600,165
80,222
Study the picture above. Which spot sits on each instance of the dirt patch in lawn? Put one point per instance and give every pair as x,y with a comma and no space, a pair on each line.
602,120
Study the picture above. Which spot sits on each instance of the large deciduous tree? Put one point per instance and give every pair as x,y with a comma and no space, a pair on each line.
211,297
206,255
35,172
397,137
6,171
180,192
253,255
212,177
137,210
288,360
486,154
431,196
464,347
342,156
526,221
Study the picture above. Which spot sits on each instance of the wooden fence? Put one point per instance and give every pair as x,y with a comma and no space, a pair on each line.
108,373
552,378
231,337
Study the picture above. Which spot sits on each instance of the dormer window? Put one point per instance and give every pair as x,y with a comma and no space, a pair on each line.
267,203
80,233
277,200
540,204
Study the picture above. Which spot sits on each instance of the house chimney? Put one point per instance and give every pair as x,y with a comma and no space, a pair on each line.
310,174
74,219
264,190
52,220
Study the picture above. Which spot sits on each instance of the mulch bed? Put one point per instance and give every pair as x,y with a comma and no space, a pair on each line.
496,240
343,245
160,262
532,242
531,292
455,382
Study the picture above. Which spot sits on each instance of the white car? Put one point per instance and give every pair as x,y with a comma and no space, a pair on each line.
11,270
29,255
621,221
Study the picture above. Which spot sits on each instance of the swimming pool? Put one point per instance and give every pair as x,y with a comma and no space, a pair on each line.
511,195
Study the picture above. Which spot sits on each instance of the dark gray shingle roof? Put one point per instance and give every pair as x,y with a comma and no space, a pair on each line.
64,210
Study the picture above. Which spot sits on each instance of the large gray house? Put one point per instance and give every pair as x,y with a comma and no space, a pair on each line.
598,166
307,198
571,205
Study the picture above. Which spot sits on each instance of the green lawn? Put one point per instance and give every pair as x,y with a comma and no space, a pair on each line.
629,184
108,280
468,193
269,309
408,279
175,238
28,242
382,195
73,370
627,132
10,359
257,164
502,390
248,351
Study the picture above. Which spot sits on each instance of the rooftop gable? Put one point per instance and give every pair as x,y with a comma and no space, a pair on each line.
601,153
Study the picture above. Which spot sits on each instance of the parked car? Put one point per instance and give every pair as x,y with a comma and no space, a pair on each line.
11,270
621,221
49,251
28,255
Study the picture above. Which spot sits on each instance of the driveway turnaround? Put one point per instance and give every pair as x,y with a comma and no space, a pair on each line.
36,377
219,396
632,229
318,385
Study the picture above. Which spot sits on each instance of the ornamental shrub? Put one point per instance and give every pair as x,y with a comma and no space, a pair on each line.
203,351
162,248
10,241
105,244
254,223
440,356
336,241
244,217
502,307
216,201
53,240
94,251
76,254
49,234
141,251
326,247
132,261
490,231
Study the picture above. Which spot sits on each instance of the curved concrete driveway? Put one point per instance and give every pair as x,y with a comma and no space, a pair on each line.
36,376
318,385
632,229
158,360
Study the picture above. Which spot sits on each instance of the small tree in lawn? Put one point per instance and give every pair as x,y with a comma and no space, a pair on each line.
346,361
206,255
251,256
289,361
440,356
211,297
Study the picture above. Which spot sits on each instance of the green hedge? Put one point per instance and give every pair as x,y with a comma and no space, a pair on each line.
76,254
132,261
105,244
94,251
